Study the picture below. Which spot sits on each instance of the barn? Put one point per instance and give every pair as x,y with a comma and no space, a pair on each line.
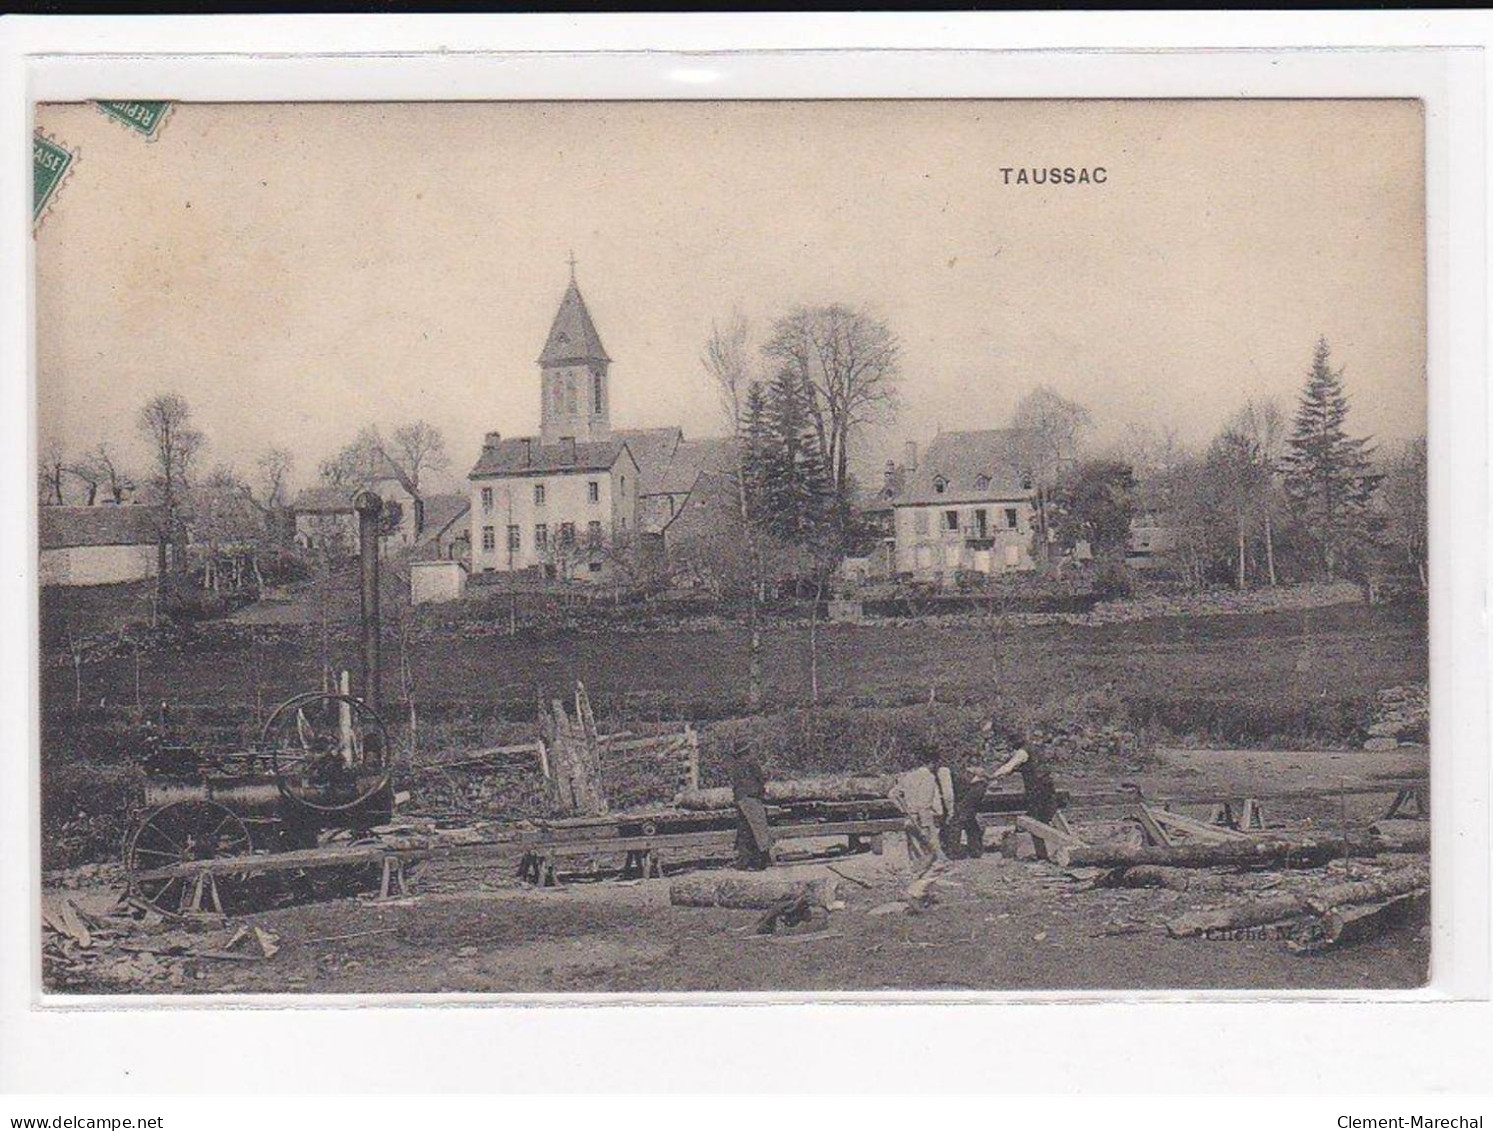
104,545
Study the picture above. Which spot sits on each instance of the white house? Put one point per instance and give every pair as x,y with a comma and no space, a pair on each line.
967,508
564,503
104,545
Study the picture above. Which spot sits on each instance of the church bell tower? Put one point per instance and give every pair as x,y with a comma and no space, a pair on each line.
576,397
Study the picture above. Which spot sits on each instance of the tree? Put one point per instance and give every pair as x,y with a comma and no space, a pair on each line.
1050,431
420,447
1329,480
849,364
90,475
165,421
1095,503
1262,425
118,482
726,361
1405,498
358,463
51,465
274,466
1234,472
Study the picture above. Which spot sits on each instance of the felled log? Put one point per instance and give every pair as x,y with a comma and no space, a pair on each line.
1357,924
803,789
756,893
1403,834
1155,876
1239,854
1324,901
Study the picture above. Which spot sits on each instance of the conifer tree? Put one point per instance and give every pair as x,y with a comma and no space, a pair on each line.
1329,478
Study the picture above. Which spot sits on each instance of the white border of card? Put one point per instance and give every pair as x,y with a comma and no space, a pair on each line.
1194,1039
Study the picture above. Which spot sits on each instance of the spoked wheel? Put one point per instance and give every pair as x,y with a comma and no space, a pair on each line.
329,753
180,833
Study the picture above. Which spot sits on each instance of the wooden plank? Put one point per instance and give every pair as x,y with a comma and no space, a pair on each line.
1155,833
1051,838
1208,834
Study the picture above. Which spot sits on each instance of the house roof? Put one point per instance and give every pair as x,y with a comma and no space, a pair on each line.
325,500
441,511
61,528
573,335
653,449
977,466
526,455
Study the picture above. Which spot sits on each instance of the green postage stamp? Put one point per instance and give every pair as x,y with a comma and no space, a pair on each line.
50,164
142,117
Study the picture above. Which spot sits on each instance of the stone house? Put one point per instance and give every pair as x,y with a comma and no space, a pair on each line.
101,545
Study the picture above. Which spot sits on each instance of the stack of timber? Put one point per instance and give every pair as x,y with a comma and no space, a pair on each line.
757,893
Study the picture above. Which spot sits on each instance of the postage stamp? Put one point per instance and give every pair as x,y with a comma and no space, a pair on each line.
50,164
144,118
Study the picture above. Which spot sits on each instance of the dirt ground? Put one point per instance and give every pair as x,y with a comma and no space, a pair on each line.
997,924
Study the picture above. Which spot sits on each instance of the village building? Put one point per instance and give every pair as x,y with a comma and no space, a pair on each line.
100,545
967,508
583,500
326,520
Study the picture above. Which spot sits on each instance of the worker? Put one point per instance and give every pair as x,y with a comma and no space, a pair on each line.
961,834
924,795
1030,760
749,793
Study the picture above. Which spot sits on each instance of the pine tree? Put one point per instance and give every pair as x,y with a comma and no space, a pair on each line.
1329,479
796,482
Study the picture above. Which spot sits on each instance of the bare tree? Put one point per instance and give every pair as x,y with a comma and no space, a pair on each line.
420,447
119,482
165,421
51,465
1262,424
850,363
727,362
88,472
357,463
1405,495
274,467
1051,431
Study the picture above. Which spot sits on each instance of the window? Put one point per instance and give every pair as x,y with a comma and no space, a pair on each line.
593,534
623,489
1013,555
567,534
596,393
487,498
1010,518
515,541
489,538
982,482
570,394
940,485
951,521
920,522
539,494
593,492
624,522
594,567
541,537
982,524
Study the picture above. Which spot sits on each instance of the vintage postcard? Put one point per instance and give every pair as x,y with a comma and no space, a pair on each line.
708,546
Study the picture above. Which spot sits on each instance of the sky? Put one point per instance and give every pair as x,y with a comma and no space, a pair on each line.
298,271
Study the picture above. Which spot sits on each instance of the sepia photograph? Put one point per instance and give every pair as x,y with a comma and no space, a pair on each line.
732,547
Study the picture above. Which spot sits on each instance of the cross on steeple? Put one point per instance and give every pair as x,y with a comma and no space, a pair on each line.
571,261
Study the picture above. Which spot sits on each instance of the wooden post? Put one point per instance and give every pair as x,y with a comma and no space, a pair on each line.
345,720
691,758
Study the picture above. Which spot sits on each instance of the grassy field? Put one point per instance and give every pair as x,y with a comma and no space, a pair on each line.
1278,678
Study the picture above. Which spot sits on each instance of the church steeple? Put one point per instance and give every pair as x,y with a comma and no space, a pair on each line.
575,397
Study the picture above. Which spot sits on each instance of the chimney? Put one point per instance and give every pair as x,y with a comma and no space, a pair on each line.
567,445
528,443
910,456
491,441
889,480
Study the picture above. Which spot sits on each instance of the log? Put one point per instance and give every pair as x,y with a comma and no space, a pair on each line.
1244,853
1358,924
756,893
1403,834
1258,913
803,789
1154,876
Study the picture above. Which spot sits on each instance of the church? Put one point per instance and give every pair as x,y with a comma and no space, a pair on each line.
581,501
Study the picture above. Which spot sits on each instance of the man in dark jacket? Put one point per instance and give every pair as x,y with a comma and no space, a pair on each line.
749,792
963,822
1030,760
